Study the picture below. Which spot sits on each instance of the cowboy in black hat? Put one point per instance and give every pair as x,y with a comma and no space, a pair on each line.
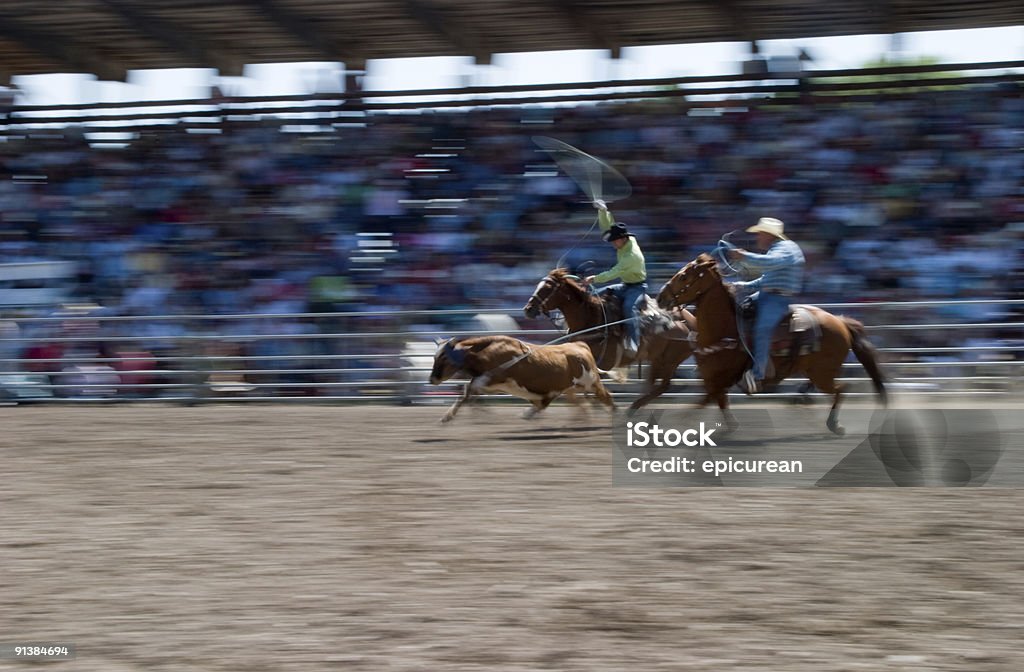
630,269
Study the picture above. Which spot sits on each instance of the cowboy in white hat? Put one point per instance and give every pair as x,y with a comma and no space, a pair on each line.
781,269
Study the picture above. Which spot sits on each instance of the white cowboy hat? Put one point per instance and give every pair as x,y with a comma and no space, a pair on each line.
769,225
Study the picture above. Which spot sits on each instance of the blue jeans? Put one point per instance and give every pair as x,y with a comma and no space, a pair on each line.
631,295
770,310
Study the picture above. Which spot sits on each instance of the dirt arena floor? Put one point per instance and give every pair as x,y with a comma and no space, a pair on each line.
269,538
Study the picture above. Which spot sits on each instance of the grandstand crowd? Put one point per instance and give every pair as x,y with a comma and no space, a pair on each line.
920,197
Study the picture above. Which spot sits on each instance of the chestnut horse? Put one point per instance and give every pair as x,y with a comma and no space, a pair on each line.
584,310
722,363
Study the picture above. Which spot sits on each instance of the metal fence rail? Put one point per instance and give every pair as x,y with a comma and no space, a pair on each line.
337,357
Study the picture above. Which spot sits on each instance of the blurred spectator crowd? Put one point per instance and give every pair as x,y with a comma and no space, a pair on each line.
899,199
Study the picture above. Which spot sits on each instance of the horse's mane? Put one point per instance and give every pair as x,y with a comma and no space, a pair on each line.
563,276
712,265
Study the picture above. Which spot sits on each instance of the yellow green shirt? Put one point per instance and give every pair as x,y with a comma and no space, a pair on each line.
630,266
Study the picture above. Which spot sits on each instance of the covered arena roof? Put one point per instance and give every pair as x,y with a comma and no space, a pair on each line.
109,37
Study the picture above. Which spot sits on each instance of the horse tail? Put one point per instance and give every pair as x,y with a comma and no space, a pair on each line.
866,355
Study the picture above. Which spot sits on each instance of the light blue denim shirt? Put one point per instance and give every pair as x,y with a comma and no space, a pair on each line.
781,268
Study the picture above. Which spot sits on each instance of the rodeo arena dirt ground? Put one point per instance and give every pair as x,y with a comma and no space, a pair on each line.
267,538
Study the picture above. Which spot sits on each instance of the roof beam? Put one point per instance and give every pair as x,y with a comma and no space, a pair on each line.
178,38
598,36
75,56
883,15
305,30
442,24
737,19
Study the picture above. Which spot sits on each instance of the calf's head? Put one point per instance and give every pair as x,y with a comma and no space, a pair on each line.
449,360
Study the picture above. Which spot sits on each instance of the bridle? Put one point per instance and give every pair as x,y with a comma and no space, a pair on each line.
723,344
548,281
676,294
559,322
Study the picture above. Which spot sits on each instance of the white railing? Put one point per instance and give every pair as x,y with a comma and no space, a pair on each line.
340,357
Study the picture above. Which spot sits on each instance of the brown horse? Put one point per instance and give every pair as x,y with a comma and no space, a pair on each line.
722,362
583,310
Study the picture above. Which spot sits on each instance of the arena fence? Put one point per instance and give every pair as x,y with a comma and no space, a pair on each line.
386,356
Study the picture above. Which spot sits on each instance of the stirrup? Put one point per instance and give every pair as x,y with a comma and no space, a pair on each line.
750,383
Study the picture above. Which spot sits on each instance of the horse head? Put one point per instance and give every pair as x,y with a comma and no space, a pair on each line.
553,292
690,282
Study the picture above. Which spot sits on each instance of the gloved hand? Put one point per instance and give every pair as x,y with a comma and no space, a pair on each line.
600,205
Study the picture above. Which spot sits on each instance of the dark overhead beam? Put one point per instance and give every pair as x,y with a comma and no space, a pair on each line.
178,38
598,36
882,15
737,19
75,56
305,30
444,25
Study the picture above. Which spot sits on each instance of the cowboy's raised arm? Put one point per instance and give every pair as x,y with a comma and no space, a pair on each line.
604,216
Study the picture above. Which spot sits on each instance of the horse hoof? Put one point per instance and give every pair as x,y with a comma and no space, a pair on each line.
838,429
446,419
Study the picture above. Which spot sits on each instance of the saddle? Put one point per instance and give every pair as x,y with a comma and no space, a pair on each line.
798,332
653,320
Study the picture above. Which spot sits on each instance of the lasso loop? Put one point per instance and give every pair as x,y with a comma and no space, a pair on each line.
594,177
721,252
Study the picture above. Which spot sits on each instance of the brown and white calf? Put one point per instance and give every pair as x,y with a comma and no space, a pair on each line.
537,373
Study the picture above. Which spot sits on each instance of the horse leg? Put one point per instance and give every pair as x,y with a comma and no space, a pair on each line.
731,424
833,416
805,394
654,388
662,367
825,381
720,396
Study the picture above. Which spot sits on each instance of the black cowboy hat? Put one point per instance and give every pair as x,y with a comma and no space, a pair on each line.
617,231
